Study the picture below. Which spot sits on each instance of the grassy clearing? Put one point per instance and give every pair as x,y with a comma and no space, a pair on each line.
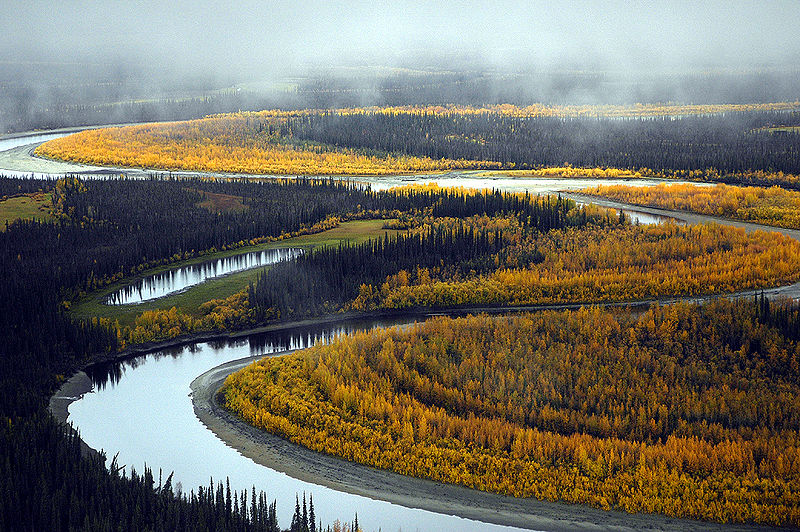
214,202
189,301
29,206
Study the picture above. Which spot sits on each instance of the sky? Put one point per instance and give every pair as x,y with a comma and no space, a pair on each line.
278,38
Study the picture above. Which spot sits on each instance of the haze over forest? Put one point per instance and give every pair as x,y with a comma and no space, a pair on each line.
300,54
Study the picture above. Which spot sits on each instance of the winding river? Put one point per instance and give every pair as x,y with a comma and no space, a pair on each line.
141,409
179,279
123,415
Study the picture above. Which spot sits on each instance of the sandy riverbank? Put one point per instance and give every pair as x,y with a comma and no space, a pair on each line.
304,464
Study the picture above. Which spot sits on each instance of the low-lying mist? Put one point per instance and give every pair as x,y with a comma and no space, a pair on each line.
114,61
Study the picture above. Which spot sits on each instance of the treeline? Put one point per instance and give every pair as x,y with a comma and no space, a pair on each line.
325,279
109,229
684,410
24,185
50,486
726,142
769,206
580,256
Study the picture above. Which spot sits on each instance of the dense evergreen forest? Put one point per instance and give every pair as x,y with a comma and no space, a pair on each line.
106,228
728,142
322,281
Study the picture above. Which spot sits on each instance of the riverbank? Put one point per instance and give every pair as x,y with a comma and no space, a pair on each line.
304,464
79,383
683,216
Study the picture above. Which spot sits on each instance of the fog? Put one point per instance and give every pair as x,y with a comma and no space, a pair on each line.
279,37
84,52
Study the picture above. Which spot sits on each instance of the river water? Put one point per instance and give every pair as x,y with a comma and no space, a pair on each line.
142,410
179,279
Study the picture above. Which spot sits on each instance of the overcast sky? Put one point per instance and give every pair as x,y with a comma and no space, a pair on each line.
281,37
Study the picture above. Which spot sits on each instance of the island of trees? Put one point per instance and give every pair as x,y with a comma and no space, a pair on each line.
736,145
685,410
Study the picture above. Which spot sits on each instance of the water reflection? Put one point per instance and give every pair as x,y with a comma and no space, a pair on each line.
644,218
105,374
146,417
172,281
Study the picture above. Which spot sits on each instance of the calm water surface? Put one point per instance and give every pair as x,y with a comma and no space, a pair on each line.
179,279
142,410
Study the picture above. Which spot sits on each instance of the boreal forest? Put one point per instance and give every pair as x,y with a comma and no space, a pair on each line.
348,268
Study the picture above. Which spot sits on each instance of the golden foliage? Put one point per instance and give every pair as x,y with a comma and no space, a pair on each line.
707,174
770,206
605,263
230,313
541,110
248,143
684,410
262,143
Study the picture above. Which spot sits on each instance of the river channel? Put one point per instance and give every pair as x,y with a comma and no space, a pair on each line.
179,279
141,409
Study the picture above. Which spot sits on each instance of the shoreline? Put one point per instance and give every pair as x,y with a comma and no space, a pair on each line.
304,464
339,474
684,216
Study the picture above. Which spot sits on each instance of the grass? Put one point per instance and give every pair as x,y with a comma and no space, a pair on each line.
215,202
29,206
189,300
783,129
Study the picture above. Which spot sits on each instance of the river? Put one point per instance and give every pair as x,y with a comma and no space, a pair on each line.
141,409
179,279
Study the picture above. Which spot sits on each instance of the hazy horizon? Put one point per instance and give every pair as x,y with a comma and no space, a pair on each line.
58,64
267,40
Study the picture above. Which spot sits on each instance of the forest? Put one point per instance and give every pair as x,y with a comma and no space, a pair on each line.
392,140
106,229
449,263
685,410
525,251
441,248
769,206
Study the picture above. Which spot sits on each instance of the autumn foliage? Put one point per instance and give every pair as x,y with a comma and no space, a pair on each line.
685,410
248,143
770,206
610,263
598,141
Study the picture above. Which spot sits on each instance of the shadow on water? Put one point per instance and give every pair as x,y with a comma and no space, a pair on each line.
266,343
173,281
